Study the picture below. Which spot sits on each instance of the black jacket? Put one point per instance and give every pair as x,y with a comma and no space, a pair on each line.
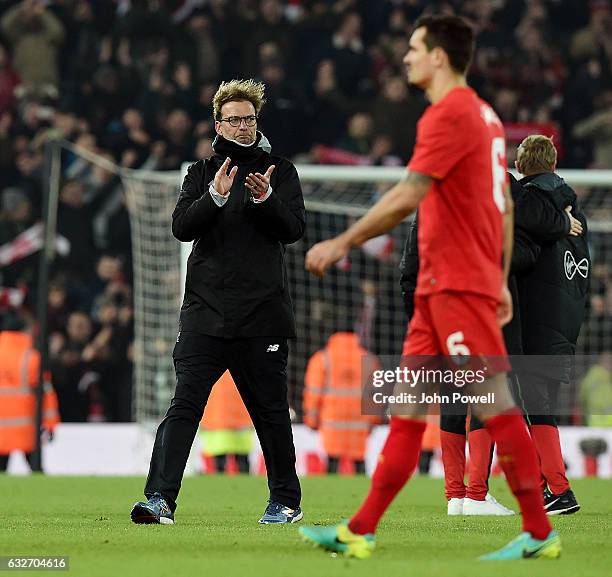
236,282
409,266
553,292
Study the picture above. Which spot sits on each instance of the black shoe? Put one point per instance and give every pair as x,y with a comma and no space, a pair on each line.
564,504
155,510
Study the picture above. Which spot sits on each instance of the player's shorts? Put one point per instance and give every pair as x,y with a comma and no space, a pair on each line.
457,324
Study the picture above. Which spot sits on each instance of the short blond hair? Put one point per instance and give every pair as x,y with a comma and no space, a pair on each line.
239,90
536,153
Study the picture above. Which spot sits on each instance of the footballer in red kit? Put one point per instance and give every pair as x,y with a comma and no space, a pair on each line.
460,273
457,178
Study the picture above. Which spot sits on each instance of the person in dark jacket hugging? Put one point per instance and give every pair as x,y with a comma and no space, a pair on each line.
552,296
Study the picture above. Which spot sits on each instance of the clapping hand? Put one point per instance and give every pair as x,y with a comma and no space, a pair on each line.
223,181
258,183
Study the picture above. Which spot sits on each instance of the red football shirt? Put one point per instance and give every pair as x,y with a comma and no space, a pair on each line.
461,144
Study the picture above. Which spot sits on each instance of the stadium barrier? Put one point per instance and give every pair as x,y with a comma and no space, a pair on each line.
125,449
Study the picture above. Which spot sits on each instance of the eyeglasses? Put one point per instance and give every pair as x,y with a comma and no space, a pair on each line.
236,121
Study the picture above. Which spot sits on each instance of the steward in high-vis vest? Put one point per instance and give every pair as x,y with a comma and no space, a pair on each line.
332,398
226,427
19,366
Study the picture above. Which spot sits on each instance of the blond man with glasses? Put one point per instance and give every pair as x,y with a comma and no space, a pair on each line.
240,207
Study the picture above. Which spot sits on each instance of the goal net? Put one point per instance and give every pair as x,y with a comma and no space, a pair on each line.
361,293
156,256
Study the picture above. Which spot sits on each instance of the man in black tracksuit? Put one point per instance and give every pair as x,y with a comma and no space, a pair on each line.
536,220
240,208
552,298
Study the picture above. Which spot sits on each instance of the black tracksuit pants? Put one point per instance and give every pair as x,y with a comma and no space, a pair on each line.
538,397
258,366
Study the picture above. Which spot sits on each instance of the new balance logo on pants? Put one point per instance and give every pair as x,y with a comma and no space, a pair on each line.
272,349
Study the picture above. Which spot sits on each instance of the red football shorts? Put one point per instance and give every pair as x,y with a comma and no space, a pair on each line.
452,323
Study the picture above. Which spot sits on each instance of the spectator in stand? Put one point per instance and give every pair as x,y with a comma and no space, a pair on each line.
74,222
203,110
84,34
396,112
597,129
107,279
15,214
330,106
506,102
107,95
36,35
15,218
57,306
184,92
177,132
204,46
143,24
108,353
28,176
6,152
284,107
204,148
346,50
593,41
8,81
381,152
119,236
397,48
269,26
535,55
359,134
72,375
129,133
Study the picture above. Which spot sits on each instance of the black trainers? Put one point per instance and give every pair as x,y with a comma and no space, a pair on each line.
155,510
564,504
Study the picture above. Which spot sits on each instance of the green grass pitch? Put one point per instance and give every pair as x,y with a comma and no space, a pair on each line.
216,531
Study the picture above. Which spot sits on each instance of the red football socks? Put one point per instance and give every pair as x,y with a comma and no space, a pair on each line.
518,459
453,459
548,447
479,464
396,463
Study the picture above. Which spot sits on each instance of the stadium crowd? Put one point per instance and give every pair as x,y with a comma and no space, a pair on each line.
132,81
